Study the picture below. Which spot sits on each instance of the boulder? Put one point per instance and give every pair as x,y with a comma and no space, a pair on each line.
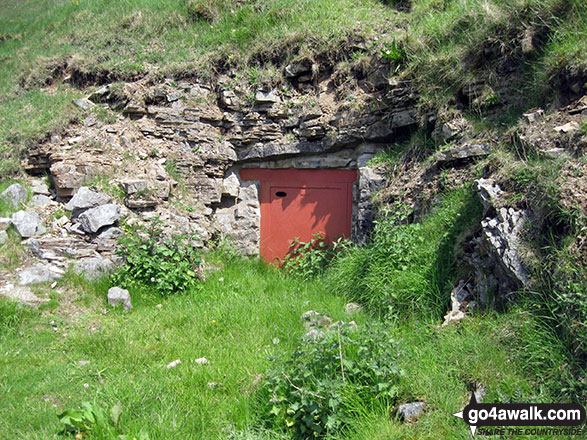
116,295
14,195
39,273
93,268
94,219
352,308
85,198
66,178
298,68
410,411
39,200
501,235
488,191
27,223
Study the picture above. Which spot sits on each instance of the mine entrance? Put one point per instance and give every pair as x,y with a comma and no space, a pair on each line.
299,203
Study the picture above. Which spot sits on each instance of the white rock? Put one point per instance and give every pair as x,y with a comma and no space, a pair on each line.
95,218
117,295
4,223
175,363
14,195
202,361
39,200
39,273
27,223
85,198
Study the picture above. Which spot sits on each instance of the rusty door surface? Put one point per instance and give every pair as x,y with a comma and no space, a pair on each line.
299,203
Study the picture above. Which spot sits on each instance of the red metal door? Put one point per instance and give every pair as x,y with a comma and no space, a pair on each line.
299,203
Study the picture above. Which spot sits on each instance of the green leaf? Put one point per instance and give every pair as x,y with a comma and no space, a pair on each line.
115,412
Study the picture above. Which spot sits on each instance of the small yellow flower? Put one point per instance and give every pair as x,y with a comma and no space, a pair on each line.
213,321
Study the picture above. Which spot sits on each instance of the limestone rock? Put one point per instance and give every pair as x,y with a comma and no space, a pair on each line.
488,191
4,223
466,151
22,294
270,97
315,320
95,218
66,178
117,295
461,302
93,268
27,223
107,240
569,127
39,200
230,186
3,237
58,249
133,186
502,235
14,195
40,188
85,198
296,69
84,103
39,273
409,411
352,308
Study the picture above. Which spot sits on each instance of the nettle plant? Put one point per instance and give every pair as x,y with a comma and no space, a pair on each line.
311,258
169,265
313,393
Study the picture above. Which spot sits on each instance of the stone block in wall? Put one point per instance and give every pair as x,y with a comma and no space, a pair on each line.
231,186
207,190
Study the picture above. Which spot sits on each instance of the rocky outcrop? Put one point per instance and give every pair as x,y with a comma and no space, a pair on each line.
188,140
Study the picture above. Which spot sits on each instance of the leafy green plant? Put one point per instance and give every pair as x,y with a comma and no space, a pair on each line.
394,52
308,259
89,418
311,394
169,265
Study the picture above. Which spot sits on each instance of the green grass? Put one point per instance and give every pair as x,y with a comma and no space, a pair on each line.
233,322
447,45
408,268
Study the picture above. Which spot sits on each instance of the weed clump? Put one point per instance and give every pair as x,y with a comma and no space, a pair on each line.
310,259
314,392
169,265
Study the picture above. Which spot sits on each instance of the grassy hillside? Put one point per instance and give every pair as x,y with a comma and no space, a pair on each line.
264,381
50,49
